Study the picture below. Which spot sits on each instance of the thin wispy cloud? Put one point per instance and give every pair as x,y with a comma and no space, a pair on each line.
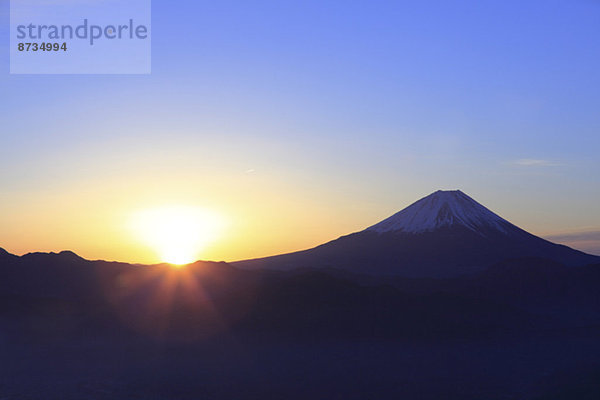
585,240
535,162
576,236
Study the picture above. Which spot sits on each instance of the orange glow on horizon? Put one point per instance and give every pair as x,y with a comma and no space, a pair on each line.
254,217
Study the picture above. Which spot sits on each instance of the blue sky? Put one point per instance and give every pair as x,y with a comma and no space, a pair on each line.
352,108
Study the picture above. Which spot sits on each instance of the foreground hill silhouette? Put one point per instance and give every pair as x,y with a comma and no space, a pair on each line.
73,328
442,235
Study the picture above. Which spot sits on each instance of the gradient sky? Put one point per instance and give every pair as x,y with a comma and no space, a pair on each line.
300,121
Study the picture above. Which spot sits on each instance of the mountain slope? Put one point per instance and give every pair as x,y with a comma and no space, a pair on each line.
444,234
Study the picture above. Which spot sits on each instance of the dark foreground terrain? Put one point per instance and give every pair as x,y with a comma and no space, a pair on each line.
77,329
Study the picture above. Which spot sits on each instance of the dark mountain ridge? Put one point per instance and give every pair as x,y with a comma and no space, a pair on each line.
73,328
506,292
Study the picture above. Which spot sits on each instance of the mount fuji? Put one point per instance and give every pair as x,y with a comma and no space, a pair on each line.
445,234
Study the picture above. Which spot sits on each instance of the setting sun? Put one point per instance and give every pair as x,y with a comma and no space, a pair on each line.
177,233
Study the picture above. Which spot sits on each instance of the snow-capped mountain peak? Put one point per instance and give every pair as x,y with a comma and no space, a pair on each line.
445,234
442,209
